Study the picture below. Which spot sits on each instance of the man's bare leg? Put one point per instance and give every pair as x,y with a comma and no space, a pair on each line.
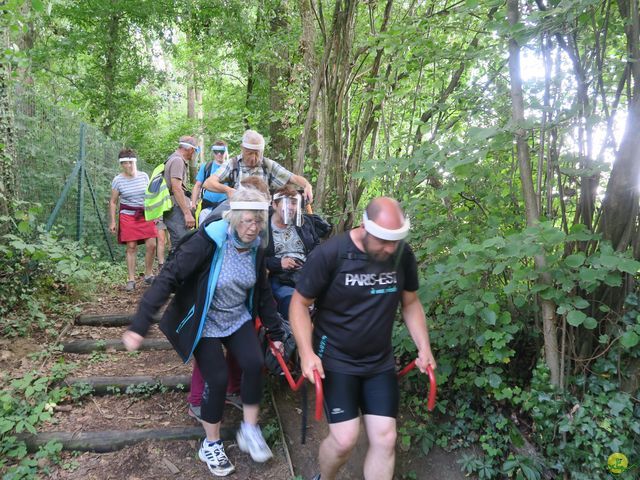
381,455
335,449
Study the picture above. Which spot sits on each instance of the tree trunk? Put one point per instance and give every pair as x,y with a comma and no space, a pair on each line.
249,93
309,139
7,138
110,73
279,75
549,320
619,218
366,127
191,100
338,71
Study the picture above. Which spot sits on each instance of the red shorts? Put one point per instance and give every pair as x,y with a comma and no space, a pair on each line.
134,228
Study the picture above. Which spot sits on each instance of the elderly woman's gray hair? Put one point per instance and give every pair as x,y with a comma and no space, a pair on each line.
246,194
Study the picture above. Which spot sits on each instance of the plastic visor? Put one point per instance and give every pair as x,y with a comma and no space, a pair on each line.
188,145
263,208
290,209
384,233
249,205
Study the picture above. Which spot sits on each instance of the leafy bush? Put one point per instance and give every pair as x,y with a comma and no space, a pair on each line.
487,338
40,273
25,403
577,433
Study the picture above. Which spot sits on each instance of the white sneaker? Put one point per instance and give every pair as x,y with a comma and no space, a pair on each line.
215,458
251,441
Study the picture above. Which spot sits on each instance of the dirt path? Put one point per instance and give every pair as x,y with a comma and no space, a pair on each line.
437,465
158,408
148,408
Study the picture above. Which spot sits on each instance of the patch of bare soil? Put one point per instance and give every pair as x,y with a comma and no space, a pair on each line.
116,300
82,332
112,363
158,460
123,412
437,465
165,460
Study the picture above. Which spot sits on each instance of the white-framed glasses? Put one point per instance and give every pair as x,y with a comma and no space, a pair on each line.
252,222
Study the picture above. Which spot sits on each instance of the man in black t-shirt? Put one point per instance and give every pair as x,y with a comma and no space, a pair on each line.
357,281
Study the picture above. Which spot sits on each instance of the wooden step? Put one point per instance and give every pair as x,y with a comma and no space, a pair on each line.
113,320
90,346
107,385
109,320
110,440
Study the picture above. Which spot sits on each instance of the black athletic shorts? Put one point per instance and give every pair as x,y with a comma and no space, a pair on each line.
347,395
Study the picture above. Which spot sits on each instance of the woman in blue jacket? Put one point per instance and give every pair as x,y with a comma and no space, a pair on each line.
220,283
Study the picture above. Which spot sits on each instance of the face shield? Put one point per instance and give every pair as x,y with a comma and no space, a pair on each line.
219,153
289,208
251,228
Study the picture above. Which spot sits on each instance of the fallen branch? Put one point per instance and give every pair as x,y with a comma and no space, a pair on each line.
89,346
106,385
111,440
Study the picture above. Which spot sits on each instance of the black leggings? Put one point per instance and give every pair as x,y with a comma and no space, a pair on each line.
244,346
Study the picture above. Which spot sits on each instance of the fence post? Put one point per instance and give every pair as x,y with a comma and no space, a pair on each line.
80,206
62,197
99,215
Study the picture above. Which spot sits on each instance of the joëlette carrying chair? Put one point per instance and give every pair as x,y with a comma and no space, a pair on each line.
295,385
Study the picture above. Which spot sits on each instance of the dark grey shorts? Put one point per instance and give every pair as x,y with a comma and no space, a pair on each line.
174,220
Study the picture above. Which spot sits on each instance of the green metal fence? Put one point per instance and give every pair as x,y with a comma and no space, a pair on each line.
67,166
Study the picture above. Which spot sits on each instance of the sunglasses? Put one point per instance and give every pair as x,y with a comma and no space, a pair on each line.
218,152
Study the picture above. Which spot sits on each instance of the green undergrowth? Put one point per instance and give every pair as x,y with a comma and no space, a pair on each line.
25,403
42,278
496,400
43,275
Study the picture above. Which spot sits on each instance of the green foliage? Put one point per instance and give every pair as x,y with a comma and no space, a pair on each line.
40,272
577,433
145,390
24,404
271,430
483,299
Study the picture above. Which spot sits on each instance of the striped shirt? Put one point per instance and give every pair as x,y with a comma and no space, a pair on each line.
131,190
273,174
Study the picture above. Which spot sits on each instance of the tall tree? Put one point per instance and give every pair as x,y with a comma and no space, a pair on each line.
103,50
619,222
549,320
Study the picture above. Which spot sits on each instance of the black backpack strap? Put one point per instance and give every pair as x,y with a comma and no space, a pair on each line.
207,169
233,175
268,176
343,255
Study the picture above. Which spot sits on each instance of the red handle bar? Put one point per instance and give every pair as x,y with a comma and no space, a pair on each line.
431,402
295,385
